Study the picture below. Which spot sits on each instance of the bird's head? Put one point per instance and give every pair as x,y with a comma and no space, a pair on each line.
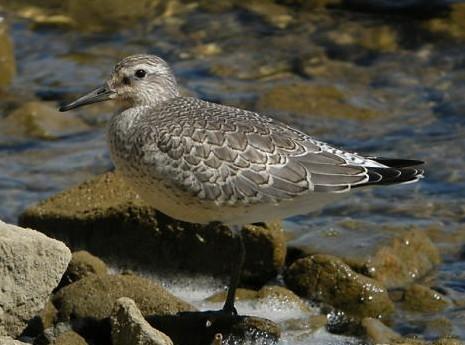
138,80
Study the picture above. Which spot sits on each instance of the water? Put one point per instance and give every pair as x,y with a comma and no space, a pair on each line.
402,69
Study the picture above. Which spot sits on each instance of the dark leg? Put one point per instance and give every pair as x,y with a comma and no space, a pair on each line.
235,271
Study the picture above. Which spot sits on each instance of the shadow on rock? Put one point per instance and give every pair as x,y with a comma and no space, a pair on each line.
199,328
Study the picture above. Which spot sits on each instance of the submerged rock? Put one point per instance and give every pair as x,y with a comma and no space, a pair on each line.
378,332
128,326
31,265
453,25
328,279
421,298
274,14
82,264
107,218
7,55
308,99
40,120
394,257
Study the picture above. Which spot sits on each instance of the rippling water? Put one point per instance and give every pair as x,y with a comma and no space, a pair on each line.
414,81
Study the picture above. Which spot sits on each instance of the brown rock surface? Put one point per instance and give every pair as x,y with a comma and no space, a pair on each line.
327,278
7,55
81,265
107,218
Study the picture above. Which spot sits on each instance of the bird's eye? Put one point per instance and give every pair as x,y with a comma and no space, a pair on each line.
140,73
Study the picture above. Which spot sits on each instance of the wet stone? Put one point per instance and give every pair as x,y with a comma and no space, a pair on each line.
328,279
7,57
274,14
105,217
40,120
395,257
198,328
275,295
378,332
315,100
423,299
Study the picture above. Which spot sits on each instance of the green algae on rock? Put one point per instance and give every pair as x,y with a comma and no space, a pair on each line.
423,299
395,257
107,218
308,99
329,279
94,297
81,265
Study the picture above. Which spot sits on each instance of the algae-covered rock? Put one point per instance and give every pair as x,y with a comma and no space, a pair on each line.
309,99
40,120
31,265
380,38
329,279
107,218
395,257
81,265
128,326
7,55
378,332
452,25
274,14
93,297
69,338
421,298
198,328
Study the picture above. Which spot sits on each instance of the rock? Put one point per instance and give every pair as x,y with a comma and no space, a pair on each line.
10,341
107,15
272,295
95,295
69,338
274,14
128,326
88,303
108,219
393,256
423,299
453,25
378,333
48,315
328,279
81,265
308,99
380,38
7,55
40,120
198,328
31,265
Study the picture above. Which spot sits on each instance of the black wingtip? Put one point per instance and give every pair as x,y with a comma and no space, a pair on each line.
398,163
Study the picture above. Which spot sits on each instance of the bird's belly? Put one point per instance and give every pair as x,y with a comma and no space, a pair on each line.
188,208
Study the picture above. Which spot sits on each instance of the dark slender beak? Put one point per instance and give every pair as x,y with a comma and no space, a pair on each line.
100,94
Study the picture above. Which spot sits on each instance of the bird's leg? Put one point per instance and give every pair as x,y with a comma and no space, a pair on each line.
235,271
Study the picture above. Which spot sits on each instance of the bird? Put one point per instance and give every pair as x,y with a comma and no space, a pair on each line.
208,163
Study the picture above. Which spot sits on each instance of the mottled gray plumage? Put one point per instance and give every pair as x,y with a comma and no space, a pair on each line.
201,162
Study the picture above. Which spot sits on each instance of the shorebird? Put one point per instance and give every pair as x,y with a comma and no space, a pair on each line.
203,162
